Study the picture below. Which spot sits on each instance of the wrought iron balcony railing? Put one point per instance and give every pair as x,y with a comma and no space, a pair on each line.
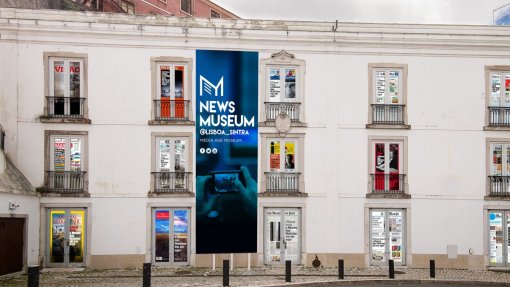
388,114
171,110
499,185
171,182
388,183
499,116
282,182
274,109
65,107
65,181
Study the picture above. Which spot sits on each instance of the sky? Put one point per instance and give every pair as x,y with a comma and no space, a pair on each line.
477,12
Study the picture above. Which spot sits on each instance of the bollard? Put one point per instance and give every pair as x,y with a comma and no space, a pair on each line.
33,276
340,269
287,271
147,275
432,269
226,274
392,269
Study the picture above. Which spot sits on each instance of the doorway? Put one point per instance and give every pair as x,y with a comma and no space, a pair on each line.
66,240
12,243
282,235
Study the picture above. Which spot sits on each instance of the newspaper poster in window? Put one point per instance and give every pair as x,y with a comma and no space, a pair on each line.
180,235
180,163
291,235
380,86
164,76
273,233
395,229
495,89
58,79
380,166
165,151
75,155
274,160
393,88
496,237
76,236
74,79
290,83
497,159
59,154
274,85
507,89
57,237
394,167
179,109
161,234
289,156
378,236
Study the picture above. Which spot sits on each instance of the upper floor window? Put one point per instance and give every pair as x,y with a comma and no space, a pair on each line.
387,168
172,90
186,7
127,6
283,82
499,168
498,96
387,95
66,86
215,14
66,167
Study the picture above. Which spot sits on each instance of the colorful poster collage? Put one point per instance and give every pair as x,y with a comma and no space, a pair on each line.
75,155
395,233
180,223
57,238
496,237
274,157
59,154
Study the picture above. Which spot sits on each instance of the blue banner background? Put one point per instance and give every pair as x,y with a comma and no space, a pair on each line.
226,157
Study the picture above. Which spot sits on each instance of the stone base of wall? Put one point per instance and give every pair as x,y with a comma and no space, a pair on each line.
470,262
116,261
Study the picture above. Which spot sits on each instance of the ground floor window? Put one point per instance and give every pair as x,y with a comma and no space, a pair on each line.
387,236
282,233
499,237
66,240
171,236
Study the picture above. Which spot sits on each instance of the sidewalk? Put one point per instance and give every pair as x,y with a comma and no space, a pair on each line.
265,276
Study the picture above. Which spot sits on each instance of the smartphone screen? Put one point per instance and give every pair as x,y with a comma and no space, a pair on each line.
225,181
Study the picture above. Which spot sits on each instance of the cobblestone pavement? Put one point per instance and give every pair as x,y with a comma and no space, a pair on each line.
266,276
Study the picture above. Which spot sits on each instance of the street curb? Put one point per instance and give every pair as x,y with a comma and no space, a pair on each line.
392,282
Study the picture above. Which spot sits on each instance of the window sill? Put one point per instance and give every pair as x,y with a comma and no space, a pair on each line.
282,194
46,119
497,197
490,128
389,195
171,123
170,194
272,124
383,126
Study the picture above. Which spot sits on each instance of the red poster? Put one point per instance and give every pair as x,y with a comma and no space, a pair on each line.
379,167
275,161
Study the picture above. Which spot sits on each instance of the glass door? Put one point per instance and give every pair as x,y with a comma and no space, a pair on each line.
66,242
282,235
171,236
499,241
387,237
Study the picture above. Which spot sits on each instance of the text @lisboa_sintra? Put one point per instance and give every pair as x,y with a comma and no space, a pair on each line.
223,132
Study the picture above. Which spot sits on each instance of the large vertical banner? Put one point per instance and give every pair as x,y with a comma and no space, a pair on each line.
226,151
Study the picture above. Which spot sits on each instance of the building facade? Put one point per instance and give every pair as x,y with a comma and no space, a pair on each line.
377,142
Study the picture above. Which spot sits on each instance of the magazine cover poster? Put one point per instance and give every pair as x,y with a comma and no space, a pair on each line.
226,151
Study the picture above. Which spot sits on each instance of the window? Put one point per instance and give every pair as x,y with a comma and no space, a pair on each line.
499,169
498,96
282,235
171,91
128,7
387,167
66,88
171,166
215,14
499,238
283,84
66,164
186,7
387,236
283,164
171,236
387,95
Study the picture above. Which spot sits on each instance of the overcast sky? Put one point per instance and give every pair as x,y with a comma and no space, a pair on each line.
382,11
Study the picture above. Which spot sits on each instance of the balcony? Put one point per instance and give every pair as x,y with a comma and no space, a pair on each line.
388,114
166,110
171,182
499,116
65,108
499,185
65,182
274,109
282,182
388,184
